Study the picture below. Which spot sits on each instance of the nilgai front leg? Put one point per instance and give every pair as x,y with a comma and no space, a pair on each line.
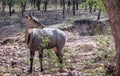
32,53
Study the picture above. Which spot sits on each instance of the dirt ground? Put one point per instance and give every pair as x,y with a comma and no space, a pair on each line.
13,48
78,51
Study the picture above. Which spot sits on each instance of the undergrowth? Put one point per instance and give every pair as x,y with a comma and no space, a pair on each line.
103,63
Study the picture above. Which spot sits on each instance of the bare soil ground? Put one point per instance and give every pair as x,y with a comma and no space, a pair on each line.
13,48
79,51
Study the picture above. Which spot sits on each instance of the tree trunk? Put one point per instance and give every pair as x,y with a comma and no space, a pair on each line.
63,9
99,14
23,6
3,6
45,5
68,5
90,6
77,4
33,3
56,4
86,5
38,2
113,10
73,7
10,6
61,3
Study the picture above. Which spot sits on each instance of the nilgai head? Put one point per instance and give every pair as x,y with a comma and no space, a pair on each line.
33,22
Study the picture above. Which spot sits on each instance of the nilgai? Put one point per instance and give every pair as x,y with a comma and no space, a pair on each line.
36,32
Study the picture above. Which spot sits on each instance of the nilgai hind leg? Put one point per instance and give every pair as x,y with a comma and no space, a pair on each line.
40,59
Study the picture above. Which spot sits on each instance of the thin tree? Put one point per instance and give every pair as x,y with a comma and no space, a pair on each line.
45,5
94,5
99,14
63,12
33,3
61,3
56,4
23,5
77,4
10,6
68,5
38,2
3,5
74,7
